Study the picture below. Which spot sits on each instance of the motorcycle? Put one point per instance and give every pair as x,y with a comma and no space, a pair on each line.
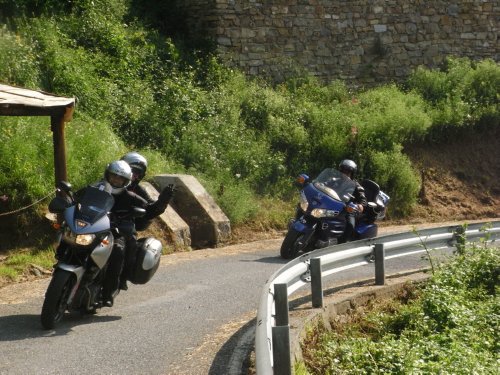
86,235
321,214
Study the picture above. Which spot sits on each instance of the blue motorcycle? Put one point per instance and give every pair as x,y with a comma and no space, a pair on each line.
321,214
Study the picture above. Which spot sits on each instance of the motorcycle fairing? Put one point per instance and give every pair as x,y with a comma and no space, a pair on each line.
319,199
90,214
71,218
102,252
365,230
78,271
302,226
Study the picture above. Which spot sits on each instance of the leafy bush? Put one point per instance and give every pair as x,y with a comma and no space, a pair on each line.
393,171
462,93
388,117
450,328
18,60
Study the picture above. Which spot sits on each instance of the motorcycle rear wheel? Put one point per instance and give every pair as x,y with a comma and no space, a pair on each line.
291,244
56,297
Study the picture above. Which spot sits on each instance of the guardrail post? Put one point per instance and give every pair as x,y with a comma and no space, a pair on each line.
281,332
379,264
281,351
281,304
316,282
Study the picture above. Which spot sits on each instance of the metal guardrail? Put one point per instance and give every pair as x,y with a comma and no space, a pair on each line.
272,322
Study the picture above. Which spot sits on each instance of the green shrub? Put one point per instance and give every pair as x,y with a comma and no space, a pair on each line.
18,60
393,171
388,117
450,328
27,170
462,93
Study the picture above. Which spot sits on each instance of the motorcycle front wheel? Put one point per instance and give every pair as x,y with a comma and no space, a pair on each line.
56,298
292,244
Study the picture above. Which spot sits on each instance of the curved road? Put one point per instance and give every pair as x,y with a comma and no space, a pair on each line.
196,316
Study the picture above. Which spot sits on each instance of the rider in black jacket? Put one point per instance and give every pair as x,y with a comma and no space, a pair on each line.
349,168
139,166
118,175
154,208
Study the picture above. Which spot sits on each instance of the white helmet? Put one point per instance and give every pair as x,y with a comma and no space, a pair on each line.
119,175
137,162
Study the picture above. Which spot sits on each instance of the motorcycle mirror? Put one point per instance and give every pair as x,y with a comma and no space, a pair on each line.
302,179
64,186
58,205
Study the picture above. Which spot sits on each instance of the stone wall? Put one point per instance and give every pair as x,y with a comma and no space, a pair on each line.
352,40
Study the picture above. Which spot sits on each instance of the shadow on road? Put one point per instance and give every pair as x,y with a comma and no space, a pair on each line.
234,356
21,327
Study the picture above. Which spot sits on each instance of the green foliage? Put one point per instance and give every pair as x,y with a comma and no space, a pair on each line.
451,328
17,263
18,60
137,88
27,169
387,117
462,93
393,170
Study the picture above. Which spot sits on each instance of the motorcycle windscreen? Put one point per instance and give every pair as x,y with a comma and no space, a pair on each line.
335,184
94,204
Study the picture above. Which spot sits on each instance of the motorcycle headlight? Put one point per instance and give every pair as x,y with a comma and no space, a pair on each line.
322,212
84,239
304,204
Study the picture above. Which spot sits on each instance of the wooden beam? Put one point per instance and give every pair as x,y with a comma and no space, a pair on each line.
57,127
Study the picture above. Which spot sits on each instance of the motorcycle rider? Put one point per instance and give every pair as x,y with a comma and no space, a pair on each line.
139,166
349,168
154,208
118,175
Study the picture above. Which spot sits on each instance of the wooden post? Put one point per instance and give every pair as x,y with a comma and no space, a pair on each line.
57,127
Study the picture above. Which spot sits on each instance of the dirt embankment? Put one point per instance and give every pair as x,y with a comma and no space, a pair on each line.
460,177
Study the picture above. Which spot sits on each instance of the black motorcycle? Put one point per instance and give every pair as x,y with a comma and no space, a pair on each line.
87,232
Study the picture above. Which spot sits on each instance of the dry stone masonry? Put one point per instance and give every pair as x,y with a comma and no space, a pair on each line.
365,41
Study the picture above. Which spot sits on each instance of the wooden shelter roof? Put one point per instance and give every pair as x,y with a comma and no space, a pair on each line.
15,101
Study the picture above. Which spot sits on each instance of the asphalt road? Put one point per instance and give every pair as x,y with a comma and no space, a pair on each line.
196,316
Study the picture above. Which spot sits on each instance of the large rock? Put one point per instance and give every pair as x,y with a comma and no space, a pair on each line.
209,226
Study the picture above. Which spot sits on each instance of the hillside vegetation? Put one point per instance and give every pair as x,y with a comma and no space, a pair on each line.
447,326
139,88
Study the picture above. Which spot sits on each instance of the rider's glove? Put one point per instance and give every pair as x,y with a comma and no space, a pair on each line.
166,194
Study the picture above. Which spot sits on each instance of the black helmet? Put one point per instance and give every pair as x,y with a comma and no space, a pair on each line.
349,167
138,163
